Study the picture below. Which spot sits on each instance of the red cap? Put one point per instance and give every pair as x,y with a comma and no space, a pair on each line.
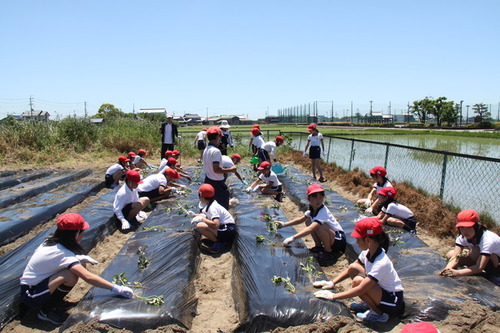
134,176
255,131
236,156
280,139
207,191
420,327
264,166
311,126
214,130
256,126
169,172
315,188
171,160
131,154
169,153
388,191
205,129
467,218
71,221
142,151
176,152
378,170
369,226
123,159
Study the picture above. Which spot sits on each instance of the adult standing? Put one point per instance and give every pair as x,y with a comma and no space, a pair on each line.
213,167
168,132
226,139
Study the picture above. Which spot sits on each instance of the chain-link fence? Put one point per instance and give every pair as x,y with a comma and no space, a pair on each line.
462,181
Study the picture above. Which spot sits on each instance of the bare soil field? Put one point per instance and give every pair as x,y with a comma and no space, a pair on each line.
216,310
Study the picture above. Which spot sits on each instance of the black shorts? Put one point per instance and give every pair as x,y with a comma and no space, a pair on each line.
108,180
340,242
150,194
221,191
36,296
227,233
314,152
264,155
201,145
392,303
410,223
278,188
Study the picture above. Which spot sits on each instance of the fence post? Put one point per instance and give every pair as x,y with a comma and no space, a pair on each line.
386,156
352,155
328,152
443,175
300,142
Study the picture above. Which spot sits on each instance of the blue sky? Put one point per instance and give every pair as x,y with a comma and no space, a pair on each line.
246,57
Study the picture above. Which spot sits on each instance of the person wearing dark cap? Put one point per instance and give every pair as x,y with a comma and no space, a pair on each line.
379,174
55,268
328,235
169,133
483,245
214,222
374,278
269,149
128,207
213,168
116,172
159,186
394,213
316,150
272,184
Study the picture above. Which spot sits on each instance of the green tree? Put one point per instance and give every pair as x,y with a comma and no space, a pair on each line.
109,111
441,108
481,110
421,109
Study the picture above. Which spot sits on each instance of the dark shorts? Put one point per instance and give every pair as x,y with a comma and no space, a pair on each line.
201,145
221,191
227,233
491,270
278,188
264,155
410,223
340,242
108,181
125,211
314,152
36,296
150,194
392,303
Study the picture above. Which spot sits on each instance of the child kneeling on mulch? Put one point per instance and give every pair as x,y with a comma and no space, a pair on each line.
328,235
214,222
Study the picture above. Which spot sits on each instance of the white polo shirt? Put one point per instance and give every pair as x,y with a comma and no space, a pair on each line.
381,270
258,141
397,210
114,168
324,216
315,140
488,245
123,197
216,211
273,178
270,147
152,182
212,154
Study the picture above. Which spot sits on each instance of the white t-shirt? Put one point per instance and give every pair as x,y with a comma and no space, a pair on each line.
212,154
45,262
168,134
488,245
114,168
258,141
216,211
227,162
324,216
270,147
386,184
273,178
315,140
123,197
201,136
382,271
397,210
152,182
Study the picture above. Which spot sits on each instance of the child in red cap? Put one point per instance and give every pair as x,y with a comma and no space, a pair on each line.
116,172
371,203
269,149
56,266
272,184
139,160
159,186
393,213
214,222
483,245
127,205
232,161
328,235
374,278
317,148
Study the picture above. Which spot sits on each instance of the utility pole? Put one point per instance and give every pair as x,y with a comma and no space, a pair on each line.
371,111
351,111
461,109
31,105
85,108
467,115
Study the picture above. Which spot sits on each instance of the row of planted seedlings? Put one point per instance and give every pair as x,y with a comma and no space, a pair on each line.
272,284
100,216
30,204
159,262
427,294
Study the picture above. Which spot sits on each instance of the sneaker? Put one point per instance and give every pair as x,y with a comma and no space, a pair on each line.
65,306
373,317
53,317
141,216
317,249
322,179
279,197
359,307
217,248
325,258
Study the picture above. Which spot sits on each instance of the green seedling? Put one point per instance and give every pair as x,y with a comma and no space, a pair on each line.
286,282
168,210
343,208
398,241
143,261
309,268
122,280
154,228
260,238
152,300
